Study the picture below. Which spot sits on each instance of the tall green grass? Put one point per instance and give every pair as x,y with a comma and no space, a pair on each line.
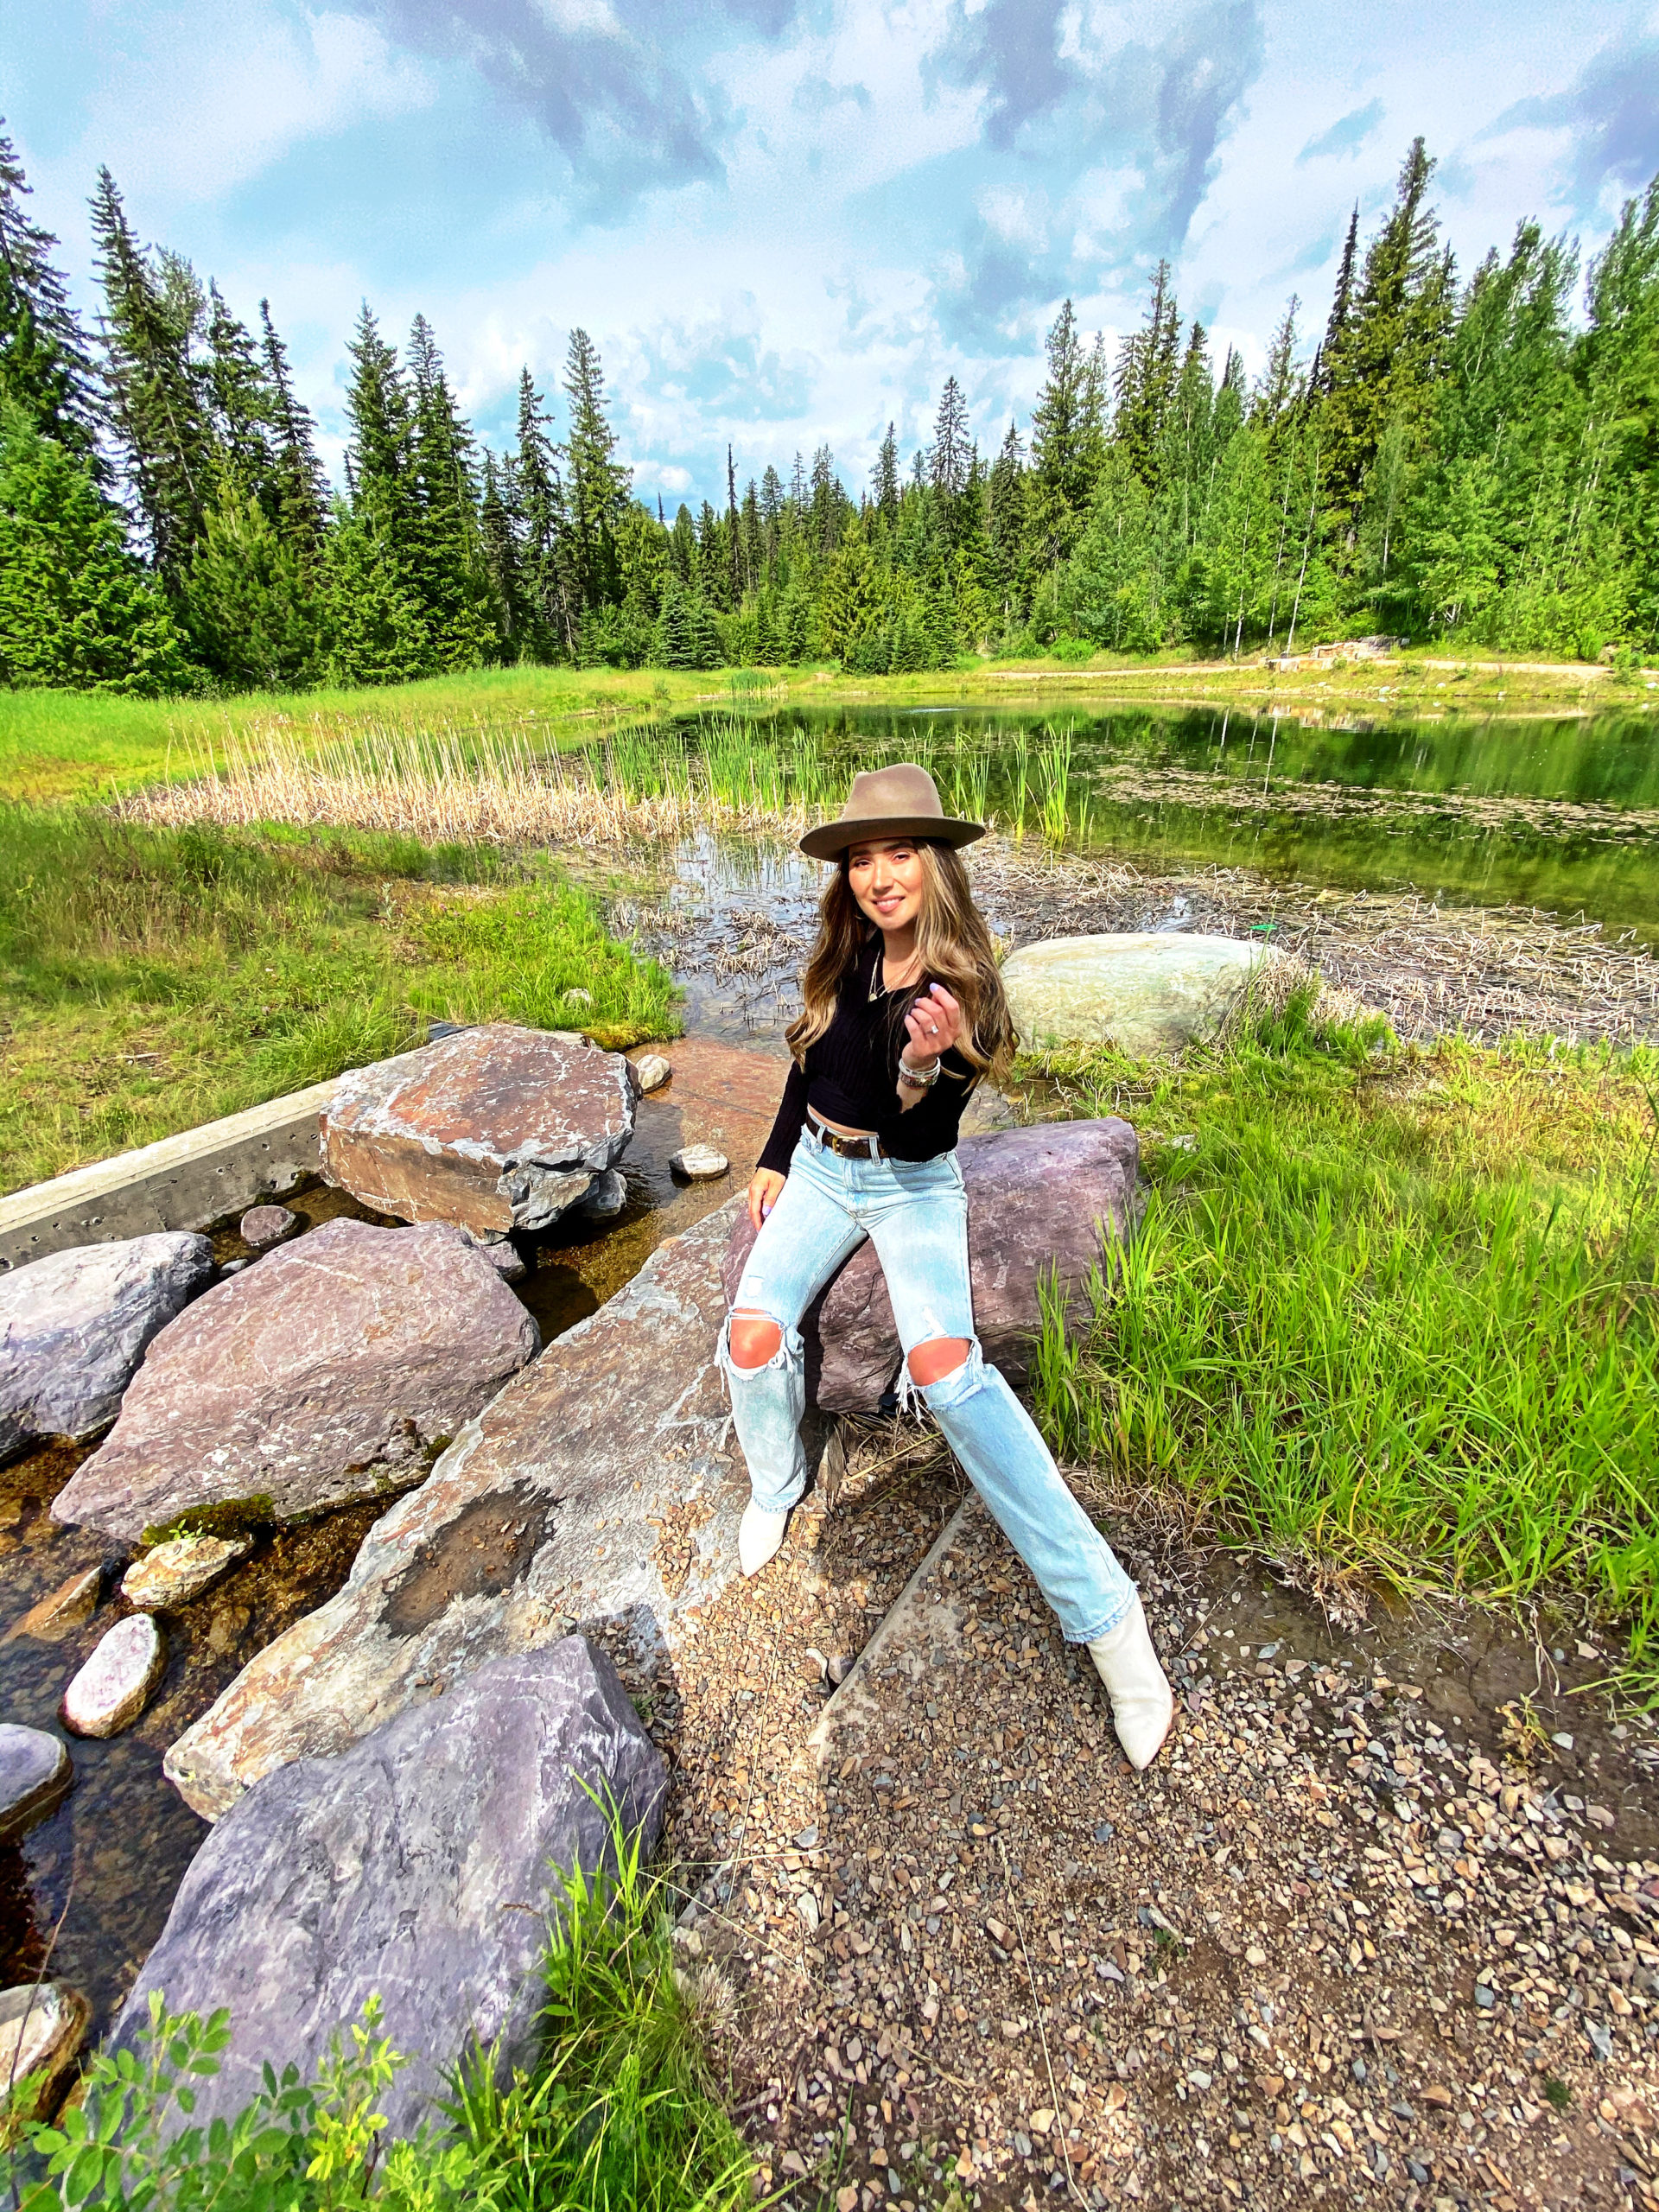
151,979
619,2114
1392,1315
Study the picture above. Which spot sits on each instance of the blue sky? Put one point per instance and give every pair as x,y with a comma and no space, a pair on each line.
786,221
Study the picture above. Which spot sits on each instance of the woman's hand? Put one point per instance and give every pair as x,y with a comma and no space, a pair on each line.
932,1027
764,1185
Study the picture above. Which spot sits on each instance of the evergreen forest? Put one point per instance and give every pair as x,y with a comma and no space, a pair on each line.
1468,459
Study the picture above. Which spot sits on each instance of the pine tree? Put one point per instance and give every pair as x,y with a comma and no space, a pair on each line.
166,439
444,552
1279,387
1383,356
548,597
1006,524
501,525
1336,328
301,490
45,364
1066,448
76,610
598,484
1145,380
739,583
883,477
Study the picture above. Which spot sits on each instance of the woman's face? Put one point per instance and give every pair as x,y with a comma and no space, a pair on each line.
889,880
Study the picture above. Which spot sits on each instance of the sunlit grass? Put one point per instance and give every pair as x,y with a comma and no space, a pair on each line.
151,979
1391,1317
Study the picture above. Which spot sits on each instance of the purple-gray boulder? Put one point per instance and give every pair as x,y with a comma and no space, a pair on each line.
330,1372
419,1865
74,1326
1055,1199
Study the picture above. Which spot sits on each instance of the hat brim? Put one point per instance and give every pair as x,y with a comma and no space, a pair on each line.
831,839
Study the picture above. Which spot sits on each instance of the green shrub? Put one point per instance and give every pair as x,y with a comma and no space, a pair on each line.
617,2115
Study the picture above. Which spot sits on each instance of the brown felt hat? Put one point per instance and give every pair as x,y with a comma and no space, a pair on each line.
897,802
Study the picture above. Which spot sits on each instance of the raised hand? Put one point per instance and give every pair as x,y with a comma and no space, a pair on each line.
932,1027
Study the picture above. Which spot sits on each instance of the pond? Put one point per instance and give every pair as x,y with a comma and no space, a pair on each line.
1559,812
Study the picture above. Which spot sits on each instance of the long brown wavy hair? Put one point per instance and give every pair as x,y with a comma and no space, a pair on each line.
956,951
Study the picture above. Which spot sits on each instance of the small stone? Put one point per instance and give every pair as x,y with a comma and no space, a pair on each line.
115,1685
839,1667
1041,2120
1484,1998
175,1573
700,1163
607,1195
1440,2098
1562,1740
579,997
263,1226
42,2026
651,1071
503,1255
64,1610
1021,2143
1255,1955
1601,2038
34,1773
1104,1832
792,2162
1600,1816
807,1906
808,1838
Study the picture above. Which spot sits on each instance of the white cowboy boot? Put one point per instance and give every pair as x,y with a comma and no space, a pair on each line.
1143,1706
760,1537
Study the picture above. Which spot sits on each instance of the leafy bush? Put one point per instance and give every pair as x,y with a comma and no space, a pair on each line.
617,2114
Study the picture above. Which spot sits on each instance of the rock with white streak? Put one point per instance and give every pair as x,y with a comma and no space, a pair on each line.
174,1573
117,1681
548,1507
330,1372
494,1128
74,1326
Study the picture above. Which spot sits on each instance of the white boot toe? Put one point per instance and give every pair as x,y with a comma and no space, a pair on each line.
760,1537
1142,1705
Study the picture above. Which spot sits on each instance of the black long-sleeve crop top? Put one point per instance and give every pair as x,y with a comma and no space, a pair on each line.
851,1075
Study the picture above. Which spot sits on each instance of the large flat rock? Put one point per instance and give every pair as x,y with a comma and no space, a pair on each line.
1055,1199
549,1506
324,1374
74,1326
421,1866
1145,992
493,1128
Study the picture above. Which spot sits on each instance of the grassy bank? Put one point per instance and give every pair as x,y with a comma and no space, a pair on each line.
617,2114
58,744
1391,1315
154,978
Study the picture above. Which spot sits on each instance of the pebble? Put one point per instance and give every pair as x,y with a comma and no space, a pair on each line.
174,1573
63,1610
263,1226
700,1163
651,1071
116,1684
42,2026
503,1255
35,1773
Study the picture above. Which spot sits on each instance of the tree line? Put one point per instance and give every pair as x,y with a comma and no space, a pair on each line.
1474,461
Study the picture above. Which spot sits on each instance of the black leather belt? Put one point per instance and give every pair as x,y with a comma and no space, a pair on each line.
849,1147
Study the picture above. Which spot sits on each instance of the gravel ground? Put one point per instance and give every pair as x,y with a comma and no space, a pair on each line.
1364,1933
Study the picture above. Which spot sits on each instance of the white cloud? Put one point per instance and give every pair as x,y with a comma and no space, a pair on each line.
215,95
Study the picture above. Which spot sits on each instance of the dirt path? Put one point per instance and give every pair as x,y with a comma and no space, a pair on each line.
1341,1944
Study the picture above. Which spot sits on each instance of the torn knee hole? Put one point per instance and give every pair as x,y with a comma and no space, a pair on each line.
754,1339
933,1360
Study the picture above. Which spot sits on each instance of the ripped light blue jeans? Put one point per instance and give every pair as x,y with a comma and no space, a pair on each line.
916,1213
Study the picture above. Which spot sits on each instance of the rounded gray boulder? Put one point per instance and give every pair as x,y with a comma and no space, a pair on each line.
74,1326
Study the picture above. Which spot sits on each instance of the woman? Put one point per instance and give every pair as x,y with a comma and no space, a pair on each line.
905,1011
